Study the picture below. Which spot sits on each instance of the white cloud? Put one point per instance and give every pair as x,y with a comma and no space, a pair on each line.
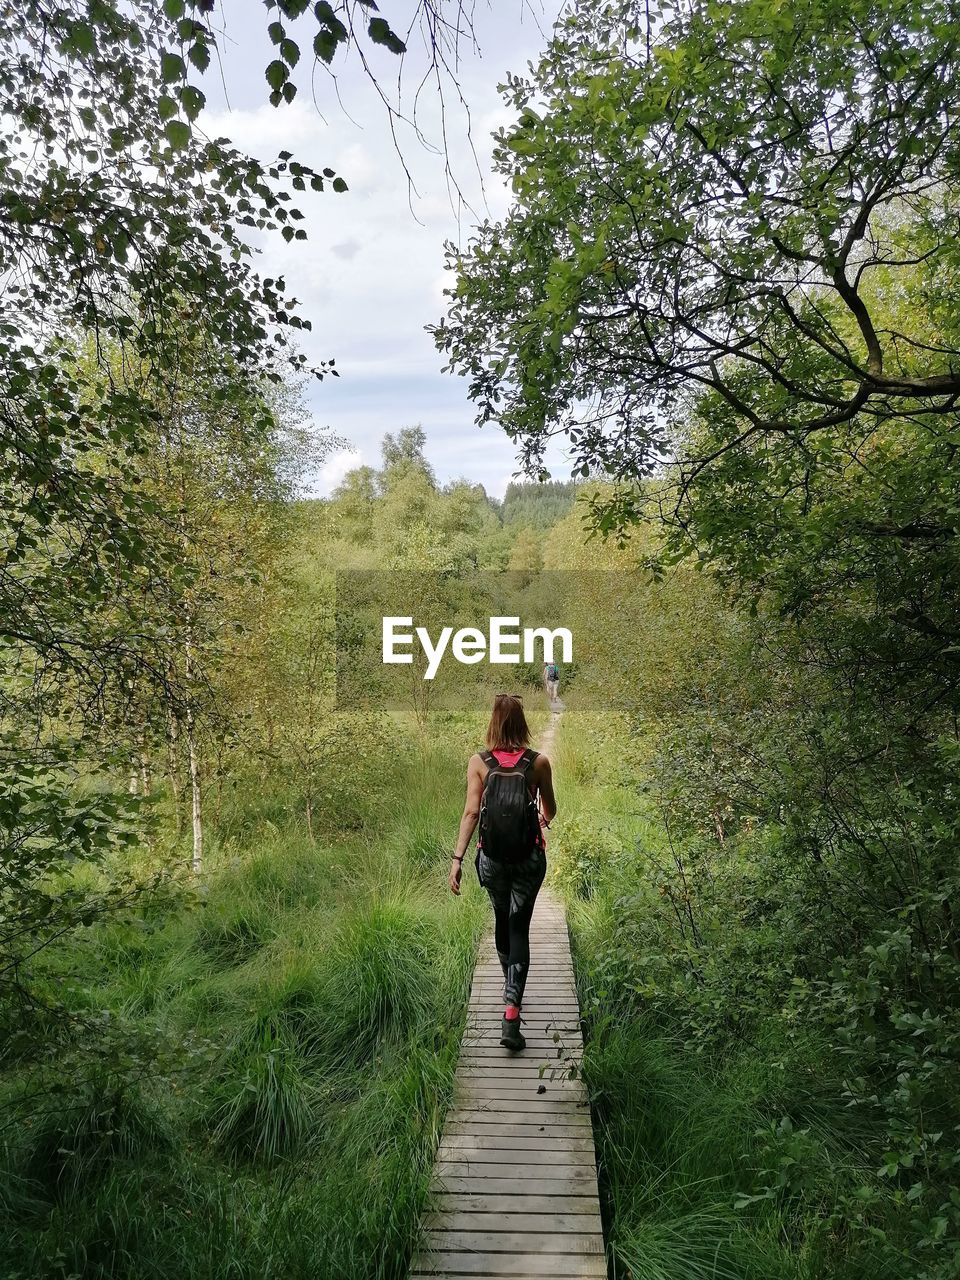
346,249
333,470
370,275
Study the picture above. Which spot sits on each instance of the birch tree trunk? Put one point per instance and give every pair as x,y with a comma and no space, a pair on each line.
196,782
173,767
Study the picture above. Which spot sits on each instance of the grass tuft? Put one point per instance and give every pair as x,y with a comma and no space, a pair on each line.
263,1105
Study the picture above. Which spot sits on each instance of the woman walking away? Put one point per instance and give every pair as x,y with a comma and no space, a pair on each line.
510,795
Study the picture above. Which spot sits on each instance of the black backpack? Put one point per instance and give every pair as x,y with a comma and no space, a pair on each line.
509,817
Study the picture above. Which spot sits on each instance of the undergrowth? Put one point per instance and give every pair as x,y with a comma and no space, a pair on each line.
296,1022
726,1143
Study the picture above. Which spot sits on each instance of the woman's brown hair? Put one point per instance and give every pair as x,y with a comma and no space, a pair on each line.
507,729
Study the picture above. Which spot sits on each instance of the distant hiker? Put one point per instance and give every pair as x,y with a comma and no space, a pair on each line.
551,680
510,795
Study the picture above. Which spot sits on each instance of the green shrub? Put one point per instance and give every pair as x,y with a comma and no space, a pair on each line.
73,1148
263,1104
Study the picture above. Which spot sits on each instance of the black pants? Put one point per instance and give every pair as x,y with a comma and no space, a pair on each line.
513,889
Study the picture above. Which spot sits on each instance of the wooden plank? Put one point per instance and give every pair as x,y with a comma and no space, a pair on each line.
478,1125
547,998
450,1239
558,997
518,1113
519,1088
549,1161
513,1100
484,1066
532,1220
530,1204
545,1113
575,1176
555,1028
550,1041
549,1142
528,1017
545,1053
552,1095
497,1069
529,1101
550,1004
559,1188
515,1265
551,1030
557,1056
553,1042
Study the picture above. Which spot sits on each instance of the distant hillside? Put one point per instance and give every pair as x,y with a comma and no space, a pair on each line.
539,505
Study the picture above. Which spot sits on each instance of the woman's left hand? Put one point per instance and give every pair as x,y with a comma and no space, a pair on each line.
456,872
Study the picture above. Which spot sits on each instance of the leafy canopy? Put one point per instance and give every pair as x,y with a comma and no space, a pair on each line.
702,206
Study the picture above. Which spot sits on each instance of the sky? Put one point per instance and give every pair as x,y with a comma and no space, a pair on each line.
370,275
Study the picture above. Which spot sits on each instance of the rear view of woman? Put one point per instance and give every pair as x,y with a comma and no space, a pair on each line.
510,795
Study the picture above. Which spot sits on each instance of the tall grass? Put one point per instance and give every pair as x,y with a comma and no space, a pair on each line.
718,1161
308,1006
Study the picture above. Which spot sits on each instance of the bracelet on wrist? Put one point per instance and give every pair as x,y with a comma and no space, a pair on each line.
457,857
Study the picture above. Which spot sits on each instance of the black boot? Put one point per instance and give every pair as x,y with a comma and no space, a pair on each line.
510,1036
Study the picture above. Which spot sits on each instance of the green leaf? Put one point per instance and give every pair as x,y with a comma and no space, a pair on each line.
290,52
172,67
325,46
192,101
327,18
82,38
277,75
199,55
167,107
380,33
177,133
339,185
174,8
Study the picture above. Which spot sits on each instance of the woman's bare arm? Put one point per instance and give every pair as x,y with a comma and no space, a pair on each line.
476,772
543,776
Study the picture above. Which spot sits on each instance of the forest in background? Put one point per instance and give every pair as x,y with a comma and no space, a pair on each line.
231,982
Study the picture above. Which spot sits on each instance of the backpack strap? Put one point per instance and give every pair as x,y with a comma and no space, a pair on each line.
526,761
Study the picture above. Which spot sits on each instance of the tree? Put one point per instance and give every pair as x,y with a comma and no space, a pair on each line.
121,222
702,206
539,505
402,453
526,555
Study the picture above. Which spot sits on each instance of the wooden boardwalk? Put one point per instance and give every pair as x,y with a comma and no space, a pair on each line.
515,1182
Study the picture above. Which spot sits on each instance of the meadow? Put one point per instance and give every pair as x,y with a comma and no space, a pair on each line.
269,1094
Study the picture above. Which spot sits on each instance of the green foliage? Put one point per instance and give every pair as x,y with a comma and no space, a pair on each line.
73,1150
538,505
307,1019
261,1106
708,198
742,956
